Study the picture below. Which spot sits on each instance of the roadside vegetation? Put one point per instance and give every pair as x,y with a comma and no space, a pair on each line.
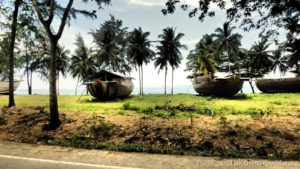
244,126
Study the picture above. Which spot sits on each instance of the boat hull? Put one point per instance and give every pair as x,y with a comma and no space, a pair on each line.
284,85
226,87
107,91
4,86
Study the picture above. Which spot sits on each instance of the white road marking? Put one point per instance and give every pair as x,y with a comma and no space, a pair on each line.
65,162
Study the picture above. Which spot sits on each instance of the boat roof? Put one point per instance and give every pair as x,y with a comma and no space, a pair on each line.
111,74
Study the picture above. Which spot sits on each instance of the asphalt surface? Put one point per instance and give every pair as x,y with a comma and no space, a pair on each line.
26,156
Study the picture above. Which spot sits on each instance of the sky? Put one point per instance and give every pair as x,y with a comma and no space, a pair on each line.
146,14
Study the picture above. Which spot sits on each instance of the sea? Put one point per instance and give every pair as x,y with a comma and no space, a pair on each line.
147,90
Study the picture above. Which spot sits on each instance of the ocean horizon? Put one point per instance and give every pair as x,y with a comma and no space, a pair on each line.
147,90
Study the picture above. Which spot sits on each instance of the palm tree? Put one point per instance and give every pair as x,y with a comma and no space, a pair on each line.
111,41
279,62
203,60
228,42
172,45
82,62
162,63
139,51
261,59
62,63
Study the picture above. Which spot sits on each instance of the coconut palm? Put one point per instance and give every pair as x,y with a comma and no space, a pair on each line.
228,42
162,63
62,63
203,60
82,62
261,59
172,45
139,51
111,41
280,62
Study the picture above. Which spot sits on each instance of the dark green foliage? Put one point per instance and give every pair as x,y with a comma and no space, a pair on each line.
254,14
204,59
228,44
169,51
139,51
111,41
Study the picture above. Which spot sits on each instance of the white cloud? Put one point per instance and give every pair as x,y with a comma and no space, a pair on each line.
192,3
147,2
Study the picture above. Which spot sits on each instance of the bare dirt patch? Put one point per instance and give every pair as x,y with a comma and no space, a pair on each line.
269,137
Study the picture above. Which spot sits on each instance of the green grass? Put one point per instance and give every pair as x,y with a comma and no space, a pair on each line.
277,104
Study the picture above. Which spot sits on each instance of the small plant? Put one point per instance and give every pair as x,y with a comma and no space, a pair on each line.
223,122
147,110
126,106
2,121
101,130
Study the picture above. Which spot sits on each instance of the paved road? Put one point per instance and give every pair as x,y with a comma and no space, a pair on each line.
25,156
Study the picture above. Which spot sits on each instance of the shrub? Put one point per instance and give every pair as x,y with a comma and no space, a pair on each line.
101,130
128,106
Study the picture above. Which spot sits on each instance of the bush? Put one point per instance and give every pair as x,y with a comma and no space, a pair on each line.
102,130
128,106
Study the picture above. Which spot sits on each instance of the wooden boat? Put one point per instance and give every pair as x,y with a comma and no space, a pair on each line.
4,86
283,85
221,87
106,85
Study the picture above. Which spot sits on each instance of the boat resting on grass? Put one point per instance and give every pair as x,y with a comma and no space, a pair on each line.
4,86
220,87
281,85
106,85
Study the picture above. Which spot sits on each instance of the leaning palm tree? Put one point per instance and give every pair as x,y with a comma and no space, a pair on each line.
172,45
139,51
82,62
261,59
228,42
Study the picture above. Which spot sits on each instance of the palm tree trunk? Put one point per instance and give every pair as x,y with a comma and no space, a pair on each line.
11,102
229,67
76,86
140,80
166,80
142,75
172,80
252,88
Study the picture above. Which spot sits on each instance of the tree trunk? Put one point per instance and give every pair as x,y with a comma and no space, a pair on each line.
54,115
140,80
166,80
29,82
11,102
76,86
252,88
229,67
172,80
142,75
